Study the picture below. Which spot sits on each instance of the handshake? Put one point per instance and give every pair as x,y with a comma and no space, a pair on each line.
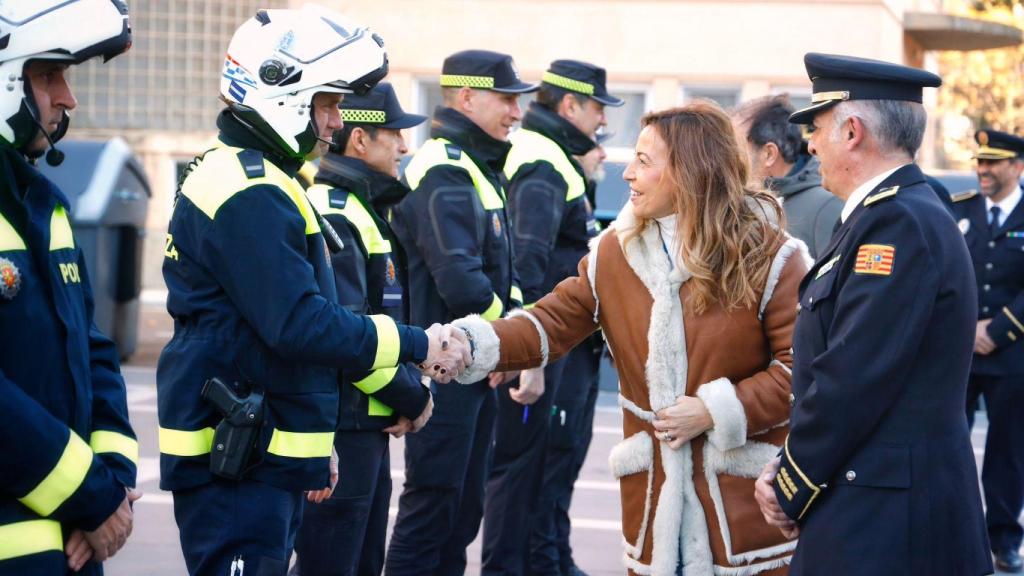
448,355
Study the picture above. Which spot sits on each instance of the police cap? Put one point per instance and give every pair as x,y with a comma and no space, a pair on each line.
485,70
994,145
378,108
836,79
582,78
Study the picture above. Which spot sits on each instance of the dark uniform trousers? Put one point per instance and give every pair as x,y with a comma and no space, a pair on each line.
572,427
334,531
998,377
445,472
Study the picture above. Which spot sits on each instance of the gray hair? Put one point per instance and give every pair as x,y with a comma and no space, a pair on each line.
897,125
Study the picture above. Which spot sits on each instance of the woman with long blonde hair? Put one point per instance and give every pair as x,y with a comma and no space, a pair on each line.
694,286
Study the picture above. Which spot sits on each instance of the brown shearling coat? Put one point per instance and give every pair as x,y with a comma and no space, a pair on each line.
698,500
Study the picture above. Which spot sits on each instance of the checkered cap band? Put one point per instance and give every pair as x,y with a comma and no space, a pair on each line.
458,81
568,83
364,116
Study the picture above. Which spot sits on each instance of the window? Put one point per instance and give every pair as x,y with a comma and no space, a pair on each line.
725,96
624,121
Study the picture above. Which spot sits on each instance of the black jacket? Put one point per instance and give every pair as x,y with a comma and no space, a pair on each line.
552,221
458,247
369,274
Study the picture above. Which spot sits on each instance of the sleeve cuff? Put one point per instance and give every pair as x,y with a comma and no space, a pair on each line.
414,345
1005,328
486,348
730,421
793,489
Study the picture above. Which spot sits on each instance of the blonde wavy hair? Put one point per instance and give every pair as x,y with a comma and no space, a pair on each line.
728,232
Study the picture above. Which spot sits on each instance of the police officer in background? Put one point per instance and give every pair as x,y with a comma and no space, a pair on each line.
356,187
69,453
552,222
877,475
993,226
254,301
780,163
455,230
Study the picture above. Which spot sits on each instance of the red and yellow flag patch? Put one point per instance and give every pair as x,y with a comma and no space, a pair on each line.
875,259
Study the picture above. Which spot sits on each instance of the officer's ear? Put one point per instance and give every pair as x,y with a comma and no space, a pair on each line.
771,154
357,139
853,132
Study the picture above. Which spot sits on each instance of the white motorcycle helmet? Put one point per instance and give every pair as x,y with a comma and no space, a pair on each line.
71,31
279,59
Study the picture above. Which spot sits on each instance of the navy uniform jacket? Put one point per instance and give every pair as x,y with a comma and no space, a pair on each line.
68,449
254,303
370,278
999,267
552,220
878,467
454,227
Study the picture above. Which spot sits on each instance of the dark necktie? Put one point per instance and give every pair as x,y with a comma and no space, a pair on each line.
993,224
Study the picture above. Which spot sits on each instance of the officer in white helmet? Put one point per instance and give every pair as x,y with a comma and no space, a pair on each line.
247,387
69,453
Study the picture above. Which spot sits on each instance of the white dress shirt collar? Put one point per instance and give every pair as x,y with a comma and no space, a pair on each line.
862,192
1006,206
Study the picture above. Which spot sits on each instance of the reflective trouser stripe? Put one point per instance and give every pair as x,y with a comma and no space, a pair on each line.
185,442
493,312
107,441
378,408
63,480
30,537
301,444
376,380
516,294
388,343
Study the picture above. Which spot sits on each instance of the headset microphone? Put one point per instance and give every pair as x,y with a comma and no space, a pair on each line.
54,157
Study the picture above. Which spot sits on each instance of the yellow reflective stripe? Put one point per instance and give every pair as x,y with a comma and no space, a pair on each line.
493,311
388,343
378,408
63,480
460,80
185,442
60,230
364,116
568,83
9,237
529,146
516,294
376,380
356,213
107,441
301,444
433,153
219,176
529,306
30,537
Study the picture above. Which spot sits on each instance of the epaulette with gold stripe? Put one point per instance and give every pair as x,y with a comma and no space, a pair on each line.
965,195
881,195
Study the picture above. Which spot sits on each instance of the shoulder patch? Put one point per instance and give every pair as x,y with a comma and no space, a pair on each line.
454,152
252,163
881,195
965,195
337,198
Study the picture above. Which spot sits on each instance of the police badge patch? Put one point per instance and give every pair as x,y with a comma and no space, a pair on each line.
389,272
964,225
496,224
10,279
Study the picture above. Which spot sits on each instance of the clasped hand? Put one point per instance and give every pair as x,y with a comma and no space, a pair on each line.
448,354
764,493
106,540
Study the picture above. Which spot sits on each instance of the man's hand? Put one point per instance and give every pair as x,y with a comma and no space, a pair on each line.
400,428
764,493
424,416
318,496
448,353
683,421
531,387
106,540
77,550
982,343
